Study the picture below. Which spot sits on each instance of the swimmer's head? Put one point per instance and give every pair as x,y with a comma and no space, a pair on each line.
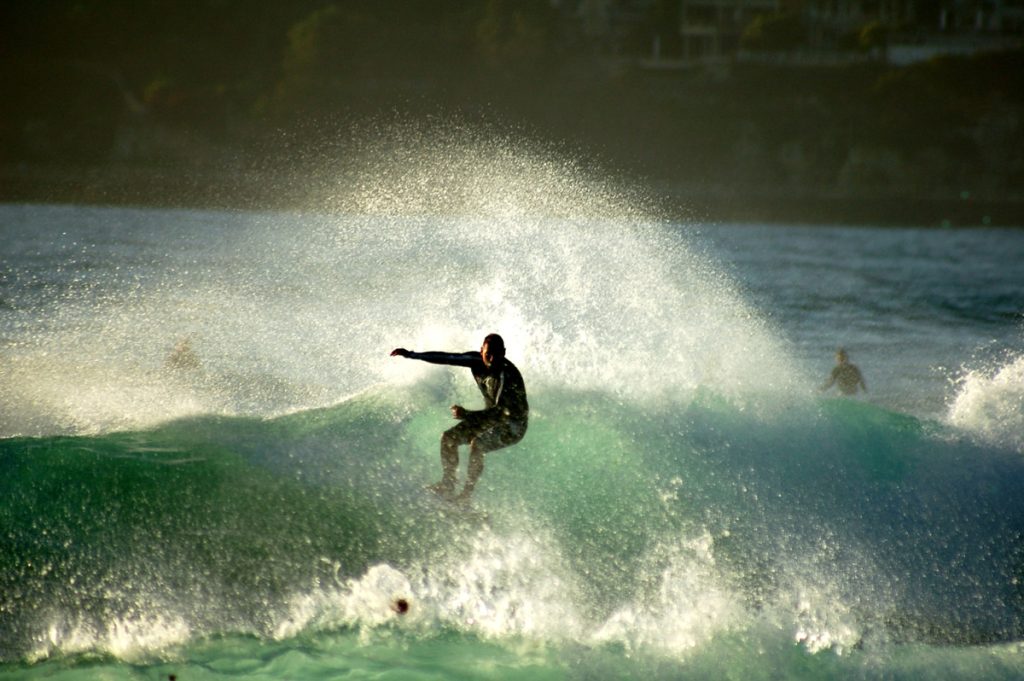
400,606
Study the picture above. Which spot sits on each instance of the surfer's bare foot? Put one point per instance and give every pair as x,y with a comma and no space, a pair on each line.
442,489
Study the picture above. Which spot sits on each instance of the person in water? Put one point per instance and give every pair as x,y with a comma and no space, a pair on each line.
502,421
183,357
846,375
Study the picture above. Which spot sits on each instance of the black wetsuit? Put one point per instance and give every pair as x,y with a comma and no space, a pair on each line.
503,420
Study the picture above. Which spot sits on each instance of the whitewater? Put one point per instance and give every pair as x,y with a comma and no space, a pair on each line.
687,503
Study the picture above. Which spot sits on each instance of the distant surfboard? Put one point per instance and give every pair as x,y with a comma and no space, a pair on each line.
450,507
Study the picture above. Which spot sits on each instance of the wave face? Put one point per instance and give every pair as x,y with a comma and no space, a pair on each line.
660,529
990,402
685,504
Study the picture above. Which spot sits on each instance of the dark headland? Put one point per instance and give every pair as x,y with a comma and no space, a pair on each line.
260,104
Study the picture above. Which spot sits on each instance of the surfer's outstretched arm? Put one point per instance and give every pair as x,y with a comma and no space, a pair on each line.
458,359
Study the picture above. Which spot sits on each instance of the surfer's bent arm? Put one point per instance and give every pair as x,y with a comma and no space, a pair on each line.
458,359
495,412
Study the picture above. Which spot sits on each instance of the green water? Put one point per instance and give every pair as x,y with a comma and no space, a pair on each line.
678,541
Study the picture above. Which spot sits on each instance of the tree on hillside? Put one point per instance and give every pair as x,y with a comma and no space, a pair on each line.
316,59
774,33
874,37
516,36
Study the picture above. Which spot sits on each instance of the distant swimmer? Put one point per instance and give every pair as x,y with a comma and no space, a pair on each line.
502,421
183,356
846,375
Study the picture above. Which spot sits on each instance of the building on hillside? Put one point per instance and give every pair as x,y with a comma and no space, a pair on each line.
833,31
711,29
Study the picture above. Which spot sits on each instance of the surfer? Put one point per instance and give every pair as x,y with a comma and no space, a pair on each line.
846,375
502,421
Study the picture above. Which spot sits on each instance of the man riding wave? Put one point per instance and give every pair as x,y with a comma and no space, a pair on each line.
502,421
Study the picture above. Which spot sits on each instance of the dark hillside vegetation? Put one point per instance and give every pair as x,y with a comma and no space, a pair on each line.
215,87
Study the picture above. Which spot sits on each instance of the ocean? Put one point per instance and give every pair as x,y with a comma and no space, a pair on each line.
687,503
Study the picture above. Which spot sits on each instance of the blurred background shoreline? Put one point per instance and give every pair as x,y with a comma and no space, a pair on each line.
186,188
721,110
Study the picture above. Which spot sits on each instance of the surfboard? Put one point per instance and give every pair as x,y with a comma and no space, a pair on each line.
456,508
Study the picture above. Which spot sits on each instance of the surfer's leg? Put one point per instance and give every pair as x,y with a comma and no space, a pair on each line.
449,464
501,435
460,434
475,469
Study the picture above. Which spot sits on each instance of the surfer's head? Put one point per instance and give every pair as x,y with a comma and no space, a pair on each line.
841,355
493,349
